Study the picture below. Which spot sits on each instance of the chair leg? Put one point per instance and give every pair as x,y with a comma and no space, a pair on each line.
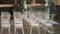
31,30
28,28
53,30
22,30
9,30
38,30
1,30
45,32
26,25
14,30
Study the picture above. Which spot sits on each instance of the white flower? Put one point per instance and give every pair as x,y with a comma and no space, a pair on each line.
46,4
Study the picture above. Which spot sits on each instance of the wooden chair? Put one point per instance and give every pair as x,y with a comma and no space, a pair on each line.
34,24
5,21
18,22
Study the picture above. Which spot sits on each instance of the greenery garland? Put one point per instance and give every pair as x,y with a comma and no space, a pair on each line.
45,8
21,8
42,8
50,2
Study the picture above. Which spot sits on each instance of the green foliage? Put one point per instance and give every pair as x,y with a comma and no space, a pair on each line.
29,8
42,8
21,7
50,2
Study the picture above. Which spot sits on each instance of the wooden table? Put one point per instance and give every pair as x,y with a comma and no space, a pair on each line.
35,4
6,5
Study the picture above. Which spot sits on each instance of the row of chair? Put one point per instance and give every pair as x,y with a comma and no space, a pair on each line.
35,21
5,21
18,22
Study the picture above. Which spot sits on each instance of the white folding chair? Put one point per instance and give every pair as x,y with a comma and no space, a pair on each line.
18,22
5,21
34,24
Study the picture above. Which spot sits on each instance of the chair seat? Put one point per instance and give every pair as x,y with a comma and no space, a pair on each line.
48,24
36,24
42,21
31,21
5,23
5,26
19,25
